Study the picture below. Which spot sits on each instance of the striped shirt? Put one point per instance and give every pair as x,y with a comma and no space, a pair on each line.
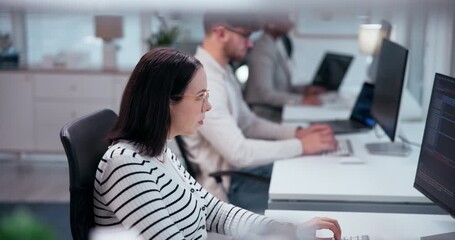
160,200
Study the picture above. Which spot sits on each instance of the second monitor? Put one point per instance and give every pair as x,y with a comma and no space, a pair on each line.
387,97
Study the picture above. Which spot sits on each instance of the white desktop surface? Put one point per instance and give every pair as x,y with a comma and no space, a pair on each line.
299,113
341,108
378,226
379,179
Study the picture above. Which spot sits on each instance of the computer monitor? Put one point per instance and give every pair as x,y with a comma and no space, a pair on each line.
331,71
435,175
387,97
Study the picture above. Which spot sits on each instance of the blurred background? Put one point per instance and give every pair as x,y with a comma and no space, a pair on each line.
61,59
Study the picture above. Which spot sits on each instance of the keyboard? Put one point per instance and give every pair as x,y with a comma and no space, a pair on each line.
334,100
343,149
360,237
329,97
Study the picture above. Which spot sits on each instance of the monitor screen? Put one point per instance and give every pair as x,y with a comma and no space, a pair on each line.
332,70
389,86
362,108
435,176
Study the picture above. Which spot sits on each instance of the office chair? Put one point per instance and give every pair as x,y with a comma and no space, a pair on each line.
84,142
191,168
287,42
253,200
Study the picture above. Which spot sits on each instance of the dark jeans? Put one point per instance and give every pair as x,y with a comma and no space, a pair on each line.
249,193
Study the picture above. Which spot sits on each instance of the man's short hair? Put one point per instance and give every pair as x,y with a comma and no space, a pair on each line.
248,21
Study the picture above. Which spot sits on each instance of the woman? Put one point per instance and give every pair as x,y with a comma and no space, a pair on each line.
141,185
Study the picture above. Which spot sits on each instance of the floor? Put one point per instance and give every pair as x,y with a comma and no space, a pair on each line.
41,188
33,181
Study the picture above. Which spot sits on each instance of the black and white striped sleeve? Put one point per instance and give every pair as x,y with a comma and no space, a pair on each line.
132,192
224,218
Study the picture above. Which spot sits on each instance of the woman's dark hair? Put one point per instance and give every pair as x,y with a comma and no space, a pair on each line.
159,79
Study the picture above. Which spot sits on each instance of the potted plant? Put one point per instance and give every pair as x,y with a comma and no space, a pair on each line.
165,36
21,224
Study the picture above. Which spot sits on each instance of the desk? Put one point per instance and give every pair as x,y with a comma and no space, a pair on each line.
298,113
379,226
341,107
336,105
380,184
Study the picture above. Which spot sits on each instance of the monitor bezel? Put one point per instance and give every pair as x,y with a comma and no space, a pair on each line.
392,135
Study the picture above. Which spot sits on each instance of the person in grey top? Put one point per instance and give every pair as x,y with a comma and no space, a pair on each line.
269,85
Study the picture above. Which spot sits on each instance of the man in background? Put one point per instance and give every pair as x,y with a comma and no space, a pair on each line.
269,86
233,137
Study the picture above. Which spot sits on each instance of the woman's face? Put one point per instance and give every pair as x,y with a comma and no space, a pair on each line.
188,114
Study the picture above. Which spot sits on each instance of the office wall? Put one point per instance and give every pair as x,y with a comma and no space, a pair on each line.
439,44
320,30
5,23
69,39
420,26
336,30
425,28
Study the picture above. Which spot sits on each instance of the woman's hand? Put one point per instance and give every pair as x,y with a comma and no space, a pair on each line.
307,230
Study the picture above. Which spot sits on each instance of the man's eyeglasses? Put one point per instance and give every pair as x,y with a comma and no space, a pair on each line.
204,96
245,35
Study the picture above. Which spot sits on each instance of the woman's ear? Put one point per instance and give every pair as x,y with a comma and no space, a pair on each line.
171,104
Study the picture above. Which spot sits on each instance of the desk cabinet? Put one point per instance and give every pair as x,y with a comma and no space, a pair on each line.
49,100
16,112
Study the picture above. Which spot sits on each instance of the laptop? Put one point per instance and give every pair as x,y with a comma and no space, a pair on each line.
331,71
361,119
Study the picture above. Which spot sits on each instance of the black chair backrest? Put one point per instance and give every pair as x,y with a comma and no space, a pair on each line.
85,143
287,44
190,167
